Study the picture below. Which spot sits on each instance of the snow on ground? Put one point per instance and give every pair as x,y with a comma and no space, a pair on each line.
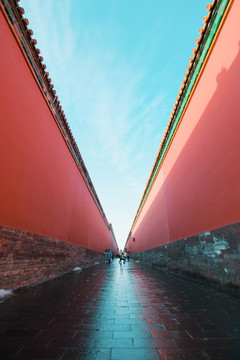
77,269
5,293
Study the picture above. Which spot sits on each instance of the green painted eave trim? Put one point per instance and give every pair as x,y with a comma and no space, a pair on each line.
201,55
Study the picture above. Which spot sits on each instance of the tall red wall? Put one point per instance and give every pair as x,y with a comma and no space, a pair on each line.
41,188
197,188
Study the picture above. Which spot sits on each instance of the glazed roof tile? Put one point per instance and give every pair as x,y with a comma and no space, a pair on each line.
195,50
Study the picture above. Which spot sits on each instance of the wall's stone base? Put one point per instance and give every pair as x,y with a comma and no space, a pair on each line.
26,258
213,255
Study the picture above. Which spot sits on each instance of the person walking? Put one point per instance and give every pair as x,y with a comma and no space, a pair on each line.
109,256
121,257
106,255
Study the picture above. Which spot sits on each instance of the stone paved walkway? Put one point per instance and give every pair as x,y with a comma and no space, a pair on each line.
113,311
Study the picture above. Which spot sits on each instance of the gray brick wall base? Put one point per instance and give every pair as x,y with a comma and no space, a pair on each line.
27,258
213,255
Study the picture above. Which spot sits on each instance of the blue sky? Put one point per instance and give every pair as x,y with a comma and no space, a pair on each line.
117,66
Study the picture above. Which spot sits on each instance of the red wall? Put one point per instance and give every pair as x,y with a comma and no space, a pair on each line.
41,188
197,188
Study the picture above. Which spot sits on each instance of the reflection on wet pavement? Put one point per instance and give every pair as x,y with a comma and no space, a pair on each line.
113,311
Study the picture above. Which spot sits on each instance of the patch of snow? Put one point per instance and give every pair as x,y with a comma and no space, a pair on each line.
207,233
77,269
5,293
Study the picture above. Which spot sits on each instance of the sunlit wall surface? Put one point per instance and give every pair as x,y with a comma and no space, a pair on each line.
197,187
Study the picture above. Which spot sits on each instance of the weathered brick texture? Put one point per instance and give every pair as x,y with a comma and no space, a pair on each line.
26,258
213,255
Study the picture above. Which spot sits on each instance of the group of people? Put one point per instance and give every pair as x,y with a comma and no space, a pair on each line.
122,255
108,255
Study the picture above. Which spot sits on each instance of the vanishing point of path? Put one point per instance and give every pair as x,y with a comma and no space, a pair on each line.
113,312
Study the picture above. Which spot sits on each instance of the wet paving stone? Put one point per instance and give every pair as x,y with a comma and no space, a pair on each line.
113,311
135,354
